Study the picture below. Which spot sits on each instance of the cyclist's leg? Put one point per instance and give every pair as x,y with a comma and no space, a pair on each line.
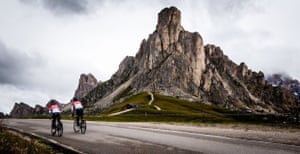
77,117
58,118
53,120
81,114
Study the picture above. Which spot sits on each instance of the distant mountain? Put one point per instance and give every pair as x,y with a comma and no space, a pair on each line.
21,110
285,81
86,84
175,62
24,110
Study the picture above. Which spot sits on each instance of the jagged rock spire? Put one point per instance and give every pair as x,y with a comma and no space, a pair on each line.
171,56
86,84
169,18
169,25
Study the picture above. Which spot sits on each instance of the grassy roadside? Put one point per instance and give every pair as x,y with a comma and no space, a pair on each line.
174,110
14,143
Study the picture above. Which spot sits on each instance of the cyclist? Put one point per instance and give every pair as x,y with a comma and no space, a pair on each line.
54,110
77,107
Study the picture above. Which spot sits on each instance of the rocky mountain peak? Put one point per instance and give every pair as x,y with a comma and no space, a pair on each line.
169,16
24,110
285,81
21,110
175,62
86,83
169,26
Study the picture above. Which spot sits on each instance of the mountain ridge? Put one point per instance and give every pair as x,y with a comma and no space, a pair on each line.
21,110
175,62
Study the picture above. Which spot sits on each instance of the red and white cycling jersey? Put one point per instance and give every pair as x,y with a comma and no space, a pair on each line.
54,108
77,105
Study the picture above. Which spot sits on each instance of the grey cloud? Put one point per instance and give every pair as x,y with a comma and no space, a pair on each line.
15,66
228,8
66,6
61,7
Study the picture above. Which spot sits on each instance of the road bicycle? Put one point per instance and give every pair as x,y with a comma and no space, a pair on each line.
57,129
81,127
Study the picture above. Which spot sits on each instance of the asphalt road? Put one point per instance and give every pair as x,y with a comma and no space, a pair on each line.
103,137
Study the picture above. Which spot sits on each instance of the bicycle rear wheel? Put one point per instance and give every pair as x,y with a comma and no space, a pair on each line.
83,126
53,131
75,127
60,129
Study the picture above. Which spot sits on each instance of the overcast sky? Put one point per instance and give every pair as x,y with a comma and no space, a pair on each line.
46,44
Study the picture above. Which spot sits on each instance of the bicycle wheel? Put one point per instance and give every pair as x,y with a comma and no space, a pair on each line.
75,127
83,126
53,130
60,129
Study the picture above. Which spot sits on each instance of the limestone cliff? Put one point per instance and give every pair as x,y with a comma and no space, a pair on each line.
85,85
175,62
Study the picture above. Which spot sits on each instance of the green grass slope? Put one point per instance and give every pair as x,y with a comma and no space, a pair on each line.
172,110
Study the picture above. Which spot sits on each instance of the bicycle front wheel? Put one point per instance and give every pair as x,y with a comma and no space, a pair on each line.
60,129
83,127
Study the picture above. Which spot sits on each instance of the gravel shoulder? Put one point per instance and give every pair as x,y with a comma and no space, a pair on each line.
250,132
